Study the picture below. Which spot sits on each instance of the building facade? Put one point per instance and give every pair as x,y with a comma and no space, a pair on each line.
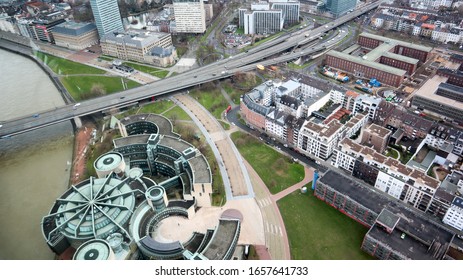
107,16
75,36
454,215
339,7
319,140
135,45
190,16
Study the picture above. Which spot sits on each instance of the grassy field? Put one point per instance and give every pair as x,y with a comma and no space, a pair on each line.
276,170
80,87
317,231
234,93
107,58
177,113
160,73
212,100
218,196
225,125
157,107
63,66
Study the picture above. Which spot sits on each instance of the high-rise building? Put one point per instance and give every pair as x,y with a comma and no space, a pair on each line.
190,16
107,16
339,7
268,17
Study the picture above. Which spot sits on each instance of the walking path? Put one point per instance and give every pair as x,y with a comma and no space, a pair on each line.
235,175
276,238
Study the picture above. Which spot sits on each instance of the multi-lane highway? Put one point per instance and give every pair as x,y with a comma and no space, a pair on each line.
287,43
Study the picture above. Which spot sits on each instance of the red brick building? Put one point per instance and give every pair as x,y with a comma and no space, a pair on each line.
387,60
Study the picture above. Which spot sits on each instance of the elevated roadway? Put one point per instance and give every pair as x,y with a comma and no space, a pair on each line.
221,69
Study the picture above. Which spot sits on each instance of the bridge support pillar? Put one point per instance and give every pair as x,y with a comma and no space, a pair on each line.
78,122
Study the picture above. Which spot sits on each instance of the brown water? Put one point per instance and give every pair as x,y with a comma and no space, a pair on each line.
34,168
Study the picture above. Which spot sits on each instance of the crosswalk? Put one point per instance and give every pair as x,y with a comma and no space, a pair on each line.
264,202
273,229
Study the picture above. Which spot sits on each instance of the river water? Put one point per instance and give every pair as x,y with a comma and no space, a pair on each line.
35,166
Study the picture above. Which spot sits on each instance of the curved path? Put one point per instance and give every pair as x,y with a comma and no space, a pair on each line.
276,238
255,193
236,178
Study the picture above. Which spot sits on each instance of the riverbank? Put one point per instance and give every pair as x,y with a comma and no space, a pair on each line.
82,140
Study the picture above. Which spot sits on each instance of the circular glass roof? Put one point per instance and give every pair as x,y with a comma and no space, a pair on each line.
95,208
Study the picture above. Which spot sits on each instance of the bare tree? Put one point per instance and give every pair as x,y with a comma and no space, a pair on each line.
98,89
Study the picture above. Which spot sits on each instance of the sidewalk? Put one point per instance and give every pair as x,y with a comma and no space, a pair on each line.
307,179
276,238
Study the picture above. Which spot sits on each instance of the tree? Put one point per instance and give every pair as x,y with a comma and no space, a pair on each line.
123,8
98,89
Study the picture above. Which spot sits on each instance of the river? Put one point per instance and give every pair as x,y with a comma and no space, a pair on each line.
35,166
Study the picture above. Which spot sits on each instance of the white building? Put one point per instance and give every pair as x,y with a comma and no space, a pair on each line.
416,29
6,24
392,177
454,215
261,19
275,124
355,124
367,104
190,16
107,16
319,140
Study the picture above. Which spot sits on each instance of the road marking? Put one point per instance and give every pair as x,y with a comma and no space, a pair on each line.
281,232
266,224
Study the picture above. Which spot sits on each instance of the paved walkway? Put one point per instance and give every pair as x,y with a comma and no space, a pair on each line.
276,239
307,179
236,179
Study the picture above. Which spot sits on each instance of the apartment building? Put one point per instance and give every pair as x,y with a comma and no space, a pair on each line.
376,137
386,174
190,16
319,140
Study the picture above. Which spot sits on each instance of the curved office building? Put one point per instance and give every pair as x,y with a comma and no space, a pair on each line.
129,200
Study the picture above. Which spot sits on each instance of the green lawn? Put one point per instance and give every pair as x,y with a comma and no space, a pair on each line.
276,170
107,58
80,87
225,125
212,100
177,113
218,196
392,153
317,231
63,66
157,107
160,73
234,93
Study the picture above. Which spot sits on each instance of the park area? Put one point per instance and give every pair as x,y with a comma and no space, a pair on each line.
276,170
86,87
83,81
317,231
63,66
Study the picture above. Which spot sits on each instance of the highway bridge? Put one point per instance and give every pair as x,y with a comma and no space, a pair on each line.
242,62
